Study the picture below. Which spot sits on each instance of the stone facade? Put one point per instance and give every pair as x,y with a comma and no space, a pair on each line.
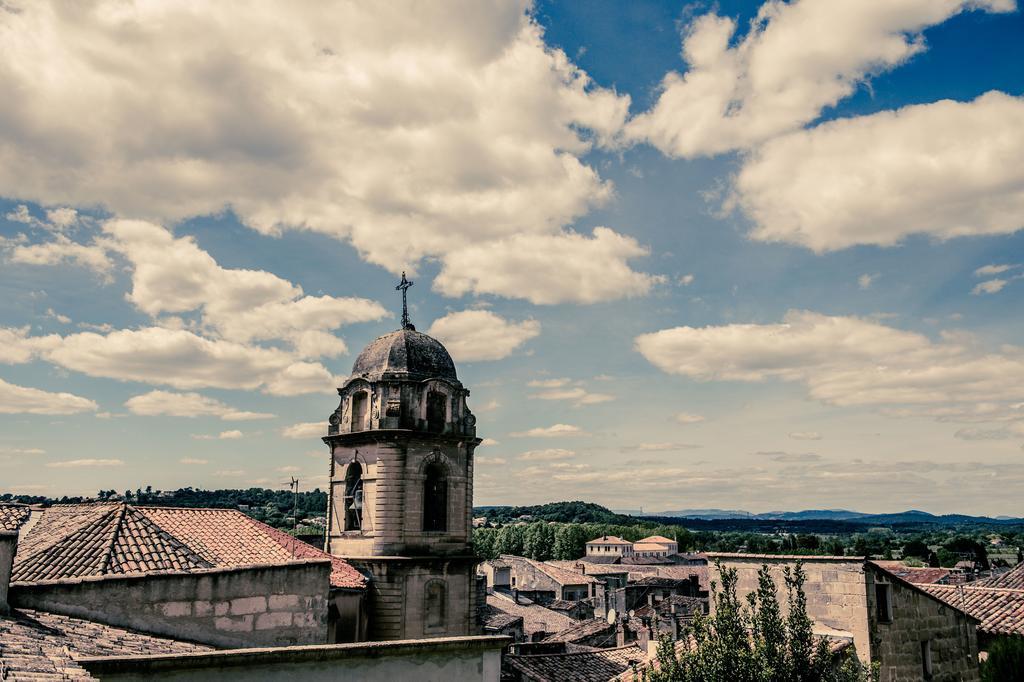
8,546
401,496
843,601
236,607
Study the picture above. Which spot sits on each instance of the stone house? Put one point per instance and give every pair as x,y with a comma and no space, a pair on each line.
998,602
608,546
539,581
891,622
655,546
537,621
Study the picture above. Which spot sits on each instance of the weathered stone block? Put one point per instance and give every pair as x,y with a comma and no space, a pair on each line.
274,619
175,609
229,624
247,605
202,609
283,602
221,608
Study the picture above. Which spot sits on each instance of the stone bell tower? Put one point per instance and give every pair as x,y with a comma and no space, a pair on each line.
401,495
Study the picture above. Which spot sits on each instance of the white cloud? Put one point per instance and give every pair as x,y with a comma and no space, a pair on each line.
846,361
805,435
233,434
790,457
797,59
17,347
553,431
22,451
546,455
85,463
659,447
474,335
184,360
16,399
489,406
865,281
62,249
287,469
1008,432
686,280
989,270
490,461
548,383
548,269
174,275
305,430
388,124
489,441
688,418
576,395
991,286
229,473
945,169
53,314
192,460
172,404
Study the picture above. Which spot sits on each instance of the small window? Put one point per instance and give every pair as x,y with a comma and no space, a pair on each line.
437,411
359,401
926,659
434,606
435,499
353,500
883,602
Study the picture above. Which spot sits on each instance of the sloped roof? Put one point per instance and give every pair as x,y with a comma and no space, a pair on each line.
536,618
585,666
1012,579
1000,610
561,575
43,646
588,568
584,629
656,539
915,574
12,515
609,540
78,540
649,547
496,619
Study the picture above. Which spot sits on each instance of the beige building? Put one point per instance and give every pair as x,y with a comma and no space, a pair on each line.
609,546
655,546
909,633
401,493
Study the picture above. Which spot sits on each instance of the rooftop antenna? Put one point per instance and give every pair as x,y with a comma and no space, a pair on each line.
403,286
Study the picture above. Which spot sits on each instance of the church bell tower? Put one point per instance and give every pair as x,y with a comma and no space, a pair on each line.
401,494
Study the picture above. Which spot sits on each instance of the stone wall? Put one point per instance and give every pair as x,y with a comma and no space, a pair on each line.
470,659
8,546
917,618
237,607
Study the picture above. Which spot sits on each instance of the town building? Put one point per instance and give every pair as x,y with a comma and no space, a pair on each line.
401,445
539,581
609,546
655,546
906,631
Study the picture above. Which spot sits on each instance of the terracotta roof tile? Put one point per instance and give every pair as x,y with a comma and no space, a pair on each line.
43,646
588,666
71,541
1012,579
609,540
562,575
1000,610
13,515
914,574
536,618
584,629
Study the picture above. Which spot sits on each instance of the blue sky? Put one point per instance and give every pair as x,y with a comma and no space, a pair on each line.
768,266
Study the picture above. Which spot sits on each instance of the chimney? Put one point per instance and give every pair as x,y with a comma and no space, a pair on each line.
8,546
620,634
515,595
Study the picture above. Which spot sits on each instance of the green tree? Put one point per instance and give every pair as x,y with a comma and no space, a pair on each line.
510,540
570,541
539,541
1005,660
485,543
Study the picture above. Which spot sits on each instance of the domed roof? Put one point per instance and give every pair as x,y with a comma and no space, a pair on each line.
405,351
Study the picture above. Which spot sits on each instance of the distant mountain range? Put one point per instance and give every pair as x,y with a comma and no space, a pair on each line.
909,516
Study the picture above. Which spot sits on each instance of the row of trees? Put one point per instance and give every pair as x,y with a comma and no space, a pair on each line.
754,642
542,541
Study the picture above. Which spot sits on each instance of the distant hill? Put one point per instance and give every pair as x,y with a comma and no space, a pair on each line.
563,512
910,516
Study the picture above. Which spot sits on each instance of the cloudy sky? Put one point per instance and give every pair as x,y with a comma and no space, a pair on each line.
731,254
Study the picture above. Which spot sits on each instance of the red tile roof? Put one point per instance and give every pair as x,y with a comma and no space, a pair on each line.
1012,579
609,540
71,541
1000,610
12,515
915,574
43,646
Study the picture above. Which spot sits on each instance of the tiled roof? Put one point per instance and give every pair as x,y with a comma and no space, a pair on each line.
649,547
43,646
1000,610
72,541
609,540
588,666
536,618
562,575
588,568
915,574
591,559
12,515
496,619
1012,579
657,539
584,629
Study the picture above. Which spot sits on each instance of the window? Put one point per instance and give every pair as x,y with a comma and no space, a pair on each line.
434,604
437,411
353,500
359,401
435,499
883,602
926,659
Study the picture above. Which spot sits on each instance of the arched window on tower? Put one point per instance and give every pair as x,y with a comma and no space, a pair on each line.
353,500
435,597
437,412
359,402
435,499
